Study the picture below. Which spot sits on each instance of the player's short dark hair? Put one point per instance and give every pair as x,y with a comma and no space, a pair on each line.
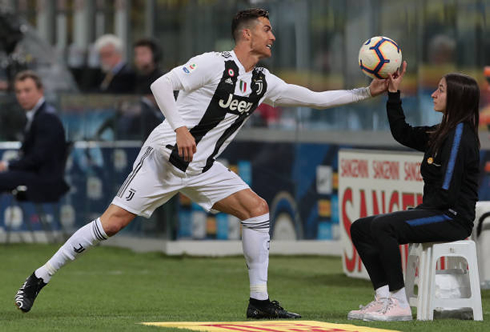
152,45
244,18
25,74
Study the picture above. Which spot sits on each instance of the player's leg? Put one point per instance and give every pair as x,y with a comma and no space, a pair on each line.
222,190
113,220
253,212
131,200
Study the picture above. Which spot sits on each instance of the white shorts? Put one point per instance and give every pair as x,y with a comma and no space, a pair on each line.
154,180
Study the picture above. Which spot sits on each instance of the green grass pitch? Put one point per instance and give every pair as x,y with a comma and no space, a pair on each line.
111,289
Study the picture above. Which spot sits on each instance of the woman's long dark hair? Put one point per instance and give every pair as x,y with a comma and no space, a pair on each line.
462,105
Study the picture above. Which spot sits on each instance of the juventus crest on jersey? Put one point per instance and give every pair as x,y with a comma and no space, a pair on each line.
217,99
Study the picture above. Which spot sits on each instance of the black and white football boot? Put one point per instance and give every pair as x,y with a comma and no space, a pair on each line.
24,299
268,310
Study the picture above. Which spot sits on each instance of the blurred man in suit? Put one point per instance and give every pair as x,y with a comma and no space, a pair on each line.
117,77
42,156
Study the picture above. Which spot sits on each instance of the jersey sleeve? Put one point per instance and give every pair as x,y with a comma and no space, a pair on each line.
198,70
275,88
283,94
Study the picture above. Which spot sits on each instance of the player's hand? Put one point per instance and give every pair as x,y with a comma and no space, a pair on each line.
378,86
3,166
186,144
395,79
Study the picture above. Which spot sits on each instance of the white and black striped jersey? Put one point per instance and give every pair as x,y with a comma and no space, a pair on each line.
217,99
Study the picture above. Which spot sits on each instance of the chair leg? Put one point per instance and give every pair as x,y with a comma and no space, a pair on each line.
9,227
28,223
44,223
63,233
11,219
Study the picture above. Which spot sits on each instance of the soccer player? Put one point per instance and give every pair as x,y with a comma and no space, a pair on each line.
218,92
450,170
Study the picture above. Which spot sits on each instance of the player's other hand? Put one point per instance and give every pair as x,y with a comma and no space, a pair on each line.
395,79
186,144
378,86
3,166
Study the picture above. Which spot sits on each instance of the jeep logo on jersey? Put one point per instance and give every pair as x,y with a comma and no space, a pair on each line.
235,105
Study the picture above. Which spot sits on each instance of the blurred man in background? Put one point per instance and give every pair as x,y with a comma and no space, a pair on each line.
116,75
40,165
147,56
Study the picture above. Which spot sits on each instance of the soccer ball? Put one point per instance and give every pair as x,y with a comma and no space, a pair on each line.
379,56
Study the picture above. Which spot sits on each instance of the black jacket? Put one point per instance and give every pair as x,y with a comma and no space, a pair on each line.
450,175
43,152
123,82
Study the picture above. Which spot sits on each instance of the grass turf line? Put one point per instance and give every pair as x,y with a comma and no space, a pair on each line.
111,289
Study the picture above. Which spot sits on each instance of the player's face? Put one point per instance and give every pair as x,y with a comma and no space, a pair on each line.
262,38
439,96
27,93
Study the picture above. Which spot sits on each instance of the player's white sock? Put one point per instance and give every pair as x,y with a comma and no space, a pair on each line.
83,239
383,292
255,243
401,296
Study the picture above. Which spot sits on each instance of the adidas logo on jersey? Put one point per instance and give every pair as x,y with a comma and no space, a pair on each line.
235,105
229,81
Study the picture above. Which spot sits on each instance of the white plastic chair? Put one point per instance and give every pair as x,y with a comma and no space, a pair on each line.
422,258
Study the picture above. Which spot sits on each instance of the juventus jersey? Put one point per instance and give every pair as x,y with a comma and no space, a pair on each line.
218,97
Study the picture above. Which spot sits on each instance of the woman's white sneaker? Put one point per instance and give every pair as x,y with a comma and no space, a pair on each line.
372,306
390,312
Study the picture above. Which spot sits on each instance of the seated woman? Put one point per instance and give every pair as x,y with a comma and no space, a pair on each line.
450,170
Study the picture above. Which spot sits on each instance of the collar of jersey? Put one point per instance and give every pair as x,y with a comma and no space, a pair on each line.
240,66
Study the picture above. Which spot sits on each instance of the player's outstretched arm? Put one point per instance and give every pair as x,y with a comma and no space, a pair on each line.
295,95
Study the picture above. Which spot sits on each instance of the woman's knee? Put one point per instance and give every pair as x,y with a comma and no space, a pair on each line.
359,228
381,225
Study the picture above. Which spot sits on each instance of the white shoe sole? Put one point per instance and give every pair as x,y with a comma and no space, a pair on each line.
369,318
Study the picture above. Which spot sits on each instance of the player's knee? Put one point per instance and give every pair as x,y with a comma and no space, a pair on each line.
112,227
260,208
114,222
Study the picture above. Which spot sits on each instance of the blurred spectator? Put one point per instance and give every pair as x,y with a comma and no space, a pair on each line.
133,121
441,50
147,57
41,163
116,75
136,121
